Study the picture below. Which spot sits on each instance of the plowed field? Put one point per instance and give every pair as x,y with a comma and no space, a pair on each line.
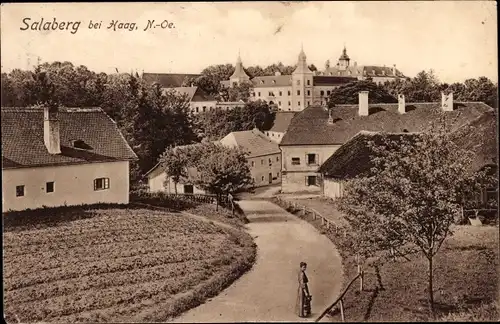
119,265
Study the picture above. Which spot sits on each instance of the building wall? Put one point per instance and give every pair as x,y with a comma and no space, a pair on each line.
281,96
333,188
197,106
262,166
73,185
156,182
275,136
294,176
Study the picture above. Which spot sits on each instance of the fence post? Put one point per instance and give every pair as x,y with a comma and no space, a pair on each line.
342,310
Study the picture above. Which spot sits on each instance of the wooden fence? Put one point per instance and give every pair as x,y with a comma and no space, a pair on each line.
301,210
340,299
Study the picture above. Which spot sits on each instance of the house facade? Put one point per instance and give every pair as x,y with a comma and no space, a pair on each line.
199,100
317,132
304,87
353,158
62,156
264,155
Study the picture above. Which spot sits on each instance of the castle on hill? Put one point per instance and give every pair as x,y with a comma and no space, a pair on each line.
304,87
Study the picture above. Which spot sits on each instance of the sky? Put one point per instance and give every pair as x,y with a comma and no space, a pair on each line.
457,39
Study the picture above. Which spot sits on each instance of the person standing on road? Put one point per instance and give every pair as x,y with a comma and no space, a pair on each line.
303,306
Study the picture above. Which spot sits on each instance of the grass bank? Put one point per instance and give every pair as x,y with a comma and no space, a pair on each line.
465,282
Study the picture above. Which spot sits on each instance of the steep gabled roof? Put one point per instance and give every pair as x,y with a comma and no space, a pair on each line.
253,141
355,156
195,94
272,81
282,121
322,80
311,127
363,70
23,138
480,137
168,80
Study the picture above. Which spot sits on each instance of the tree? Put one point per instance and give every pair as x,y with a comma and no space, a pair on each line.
210,77
424,87
349,93
174,161
216,124
313,68
222,170
254,71
238,92
412,195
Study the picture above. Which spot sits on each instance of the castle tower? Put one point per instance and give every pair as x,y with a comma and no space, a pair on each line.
302,84
344,60
239,75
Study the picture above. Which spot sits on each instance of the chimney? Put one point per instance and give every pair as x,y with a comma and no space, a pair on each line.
363,103
51,129
447,101
401,104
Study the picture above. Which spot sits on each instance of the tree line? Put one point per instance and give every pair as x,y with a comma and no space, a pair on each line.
424,87
150,118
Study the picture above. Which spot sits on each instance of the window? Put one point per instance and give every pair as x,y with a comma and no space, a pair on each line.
270,162
328,92
204,108
298,92
277,159
308,82
270,93
19,191
258,93
262,178
253,163
281,93
308,103
235,84
299,102
262,81
311,159
311,181
188,189
289,92
322,93
298,82
274,81
49,187
253,94
101,183
197,109
279,103
261,162
308,92
295,161
289,103
278,174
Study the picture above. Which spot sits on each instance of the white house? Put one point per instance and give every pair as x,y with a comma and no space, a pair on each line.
62,156
264,155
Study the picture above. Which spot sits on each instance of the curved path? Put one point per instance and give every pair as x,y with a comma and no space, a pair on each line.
269,290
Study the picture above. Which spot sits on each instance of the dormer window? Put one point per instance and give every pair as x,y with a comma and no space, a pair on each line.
80,144
261,81
274,81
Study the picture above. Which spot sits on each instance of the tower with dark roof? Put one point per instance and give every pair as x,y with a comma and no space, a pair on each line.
239,75
302,83
344,59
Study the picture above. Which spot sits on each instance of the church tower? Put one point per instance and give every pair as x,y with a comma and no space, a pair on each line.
302,84
239,75
344,60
